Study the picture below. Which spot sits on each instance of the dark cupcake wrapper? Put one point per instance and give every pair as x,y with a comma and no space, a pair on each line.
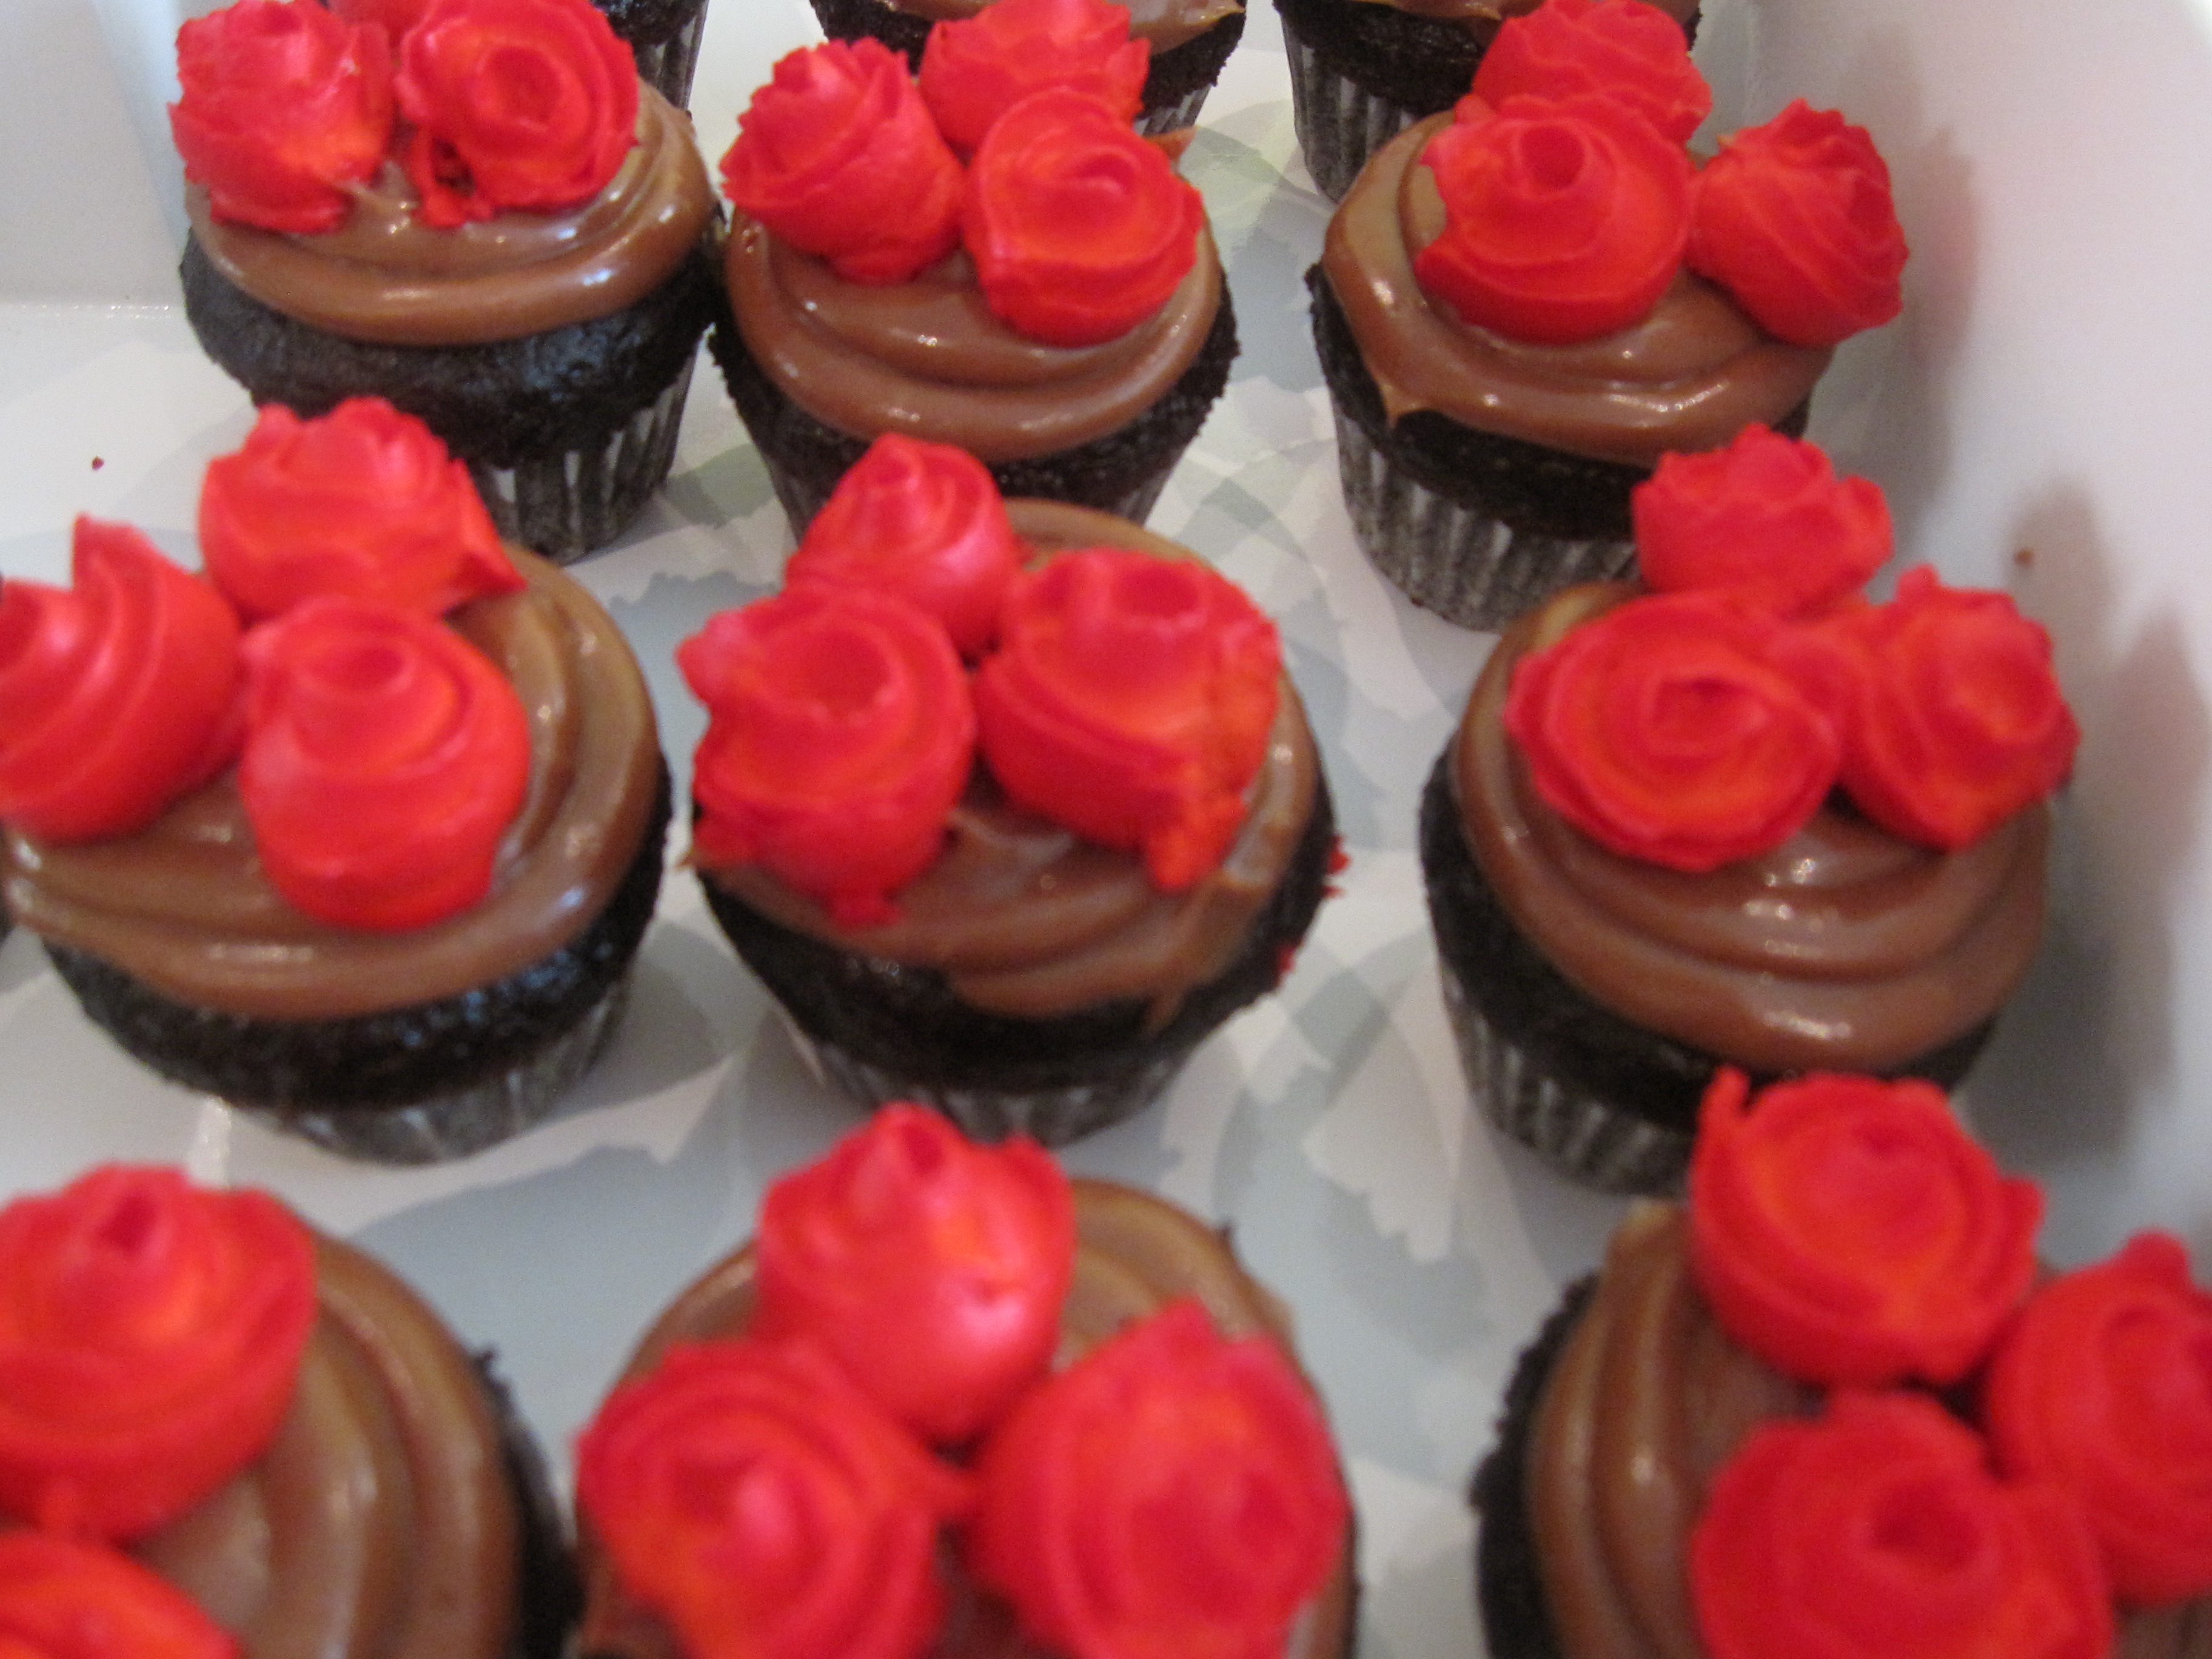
664,36
1339,123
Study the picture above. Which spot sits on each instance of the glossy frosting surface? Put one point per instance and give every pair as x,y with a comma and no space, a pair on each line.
1166,23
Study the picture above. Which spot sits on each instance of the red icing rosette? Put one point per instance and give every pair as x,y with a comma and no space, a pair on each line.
840,734
1080,229
1878,1531
384,757
63,1600
117,694
767,1508
397,17
283,105
921,520
1624,49
1847,1230
1130,700
838,156
150,1334
2103,1385
364,501
973,69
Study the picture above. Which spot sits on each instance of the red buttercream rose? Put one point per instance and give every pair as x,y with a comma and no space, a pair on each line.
516,104
1563,220
384,757
932,1268
1668,730
1130,699
283,105
924,521
63,1599
150,1333
840,733
752,1496
117,694
2103,1385
1878,1532
1080,229
838,156
1622,48
364,501
1767,517
397,17
1795,219
974,68
1954,719
1848,1231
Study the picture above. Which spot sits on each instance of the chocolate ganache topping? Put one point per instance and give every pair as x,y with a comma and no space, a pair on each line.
1166,23
183,904
1690,376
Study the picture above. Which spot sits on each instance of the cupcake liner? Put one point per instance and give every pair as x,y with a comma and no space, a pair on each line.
668,66
1339,123
1174,117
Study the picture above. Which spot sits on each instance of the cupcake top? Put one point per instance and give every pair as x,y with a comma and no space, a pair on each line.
1162,24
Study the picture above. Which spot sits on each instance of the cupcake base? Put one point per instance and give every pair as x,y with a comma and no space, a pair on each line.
1361,73
662,35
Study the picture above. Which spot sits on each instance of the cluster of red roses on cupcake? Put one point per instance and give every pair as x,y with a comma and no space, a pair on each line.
1996,1461
489,105
1708,720
1015,143
787,1493
1571,204
379,755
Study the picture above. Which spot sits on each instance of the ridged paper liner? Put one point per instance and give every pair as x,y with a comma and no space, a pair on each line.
1339,123
668,67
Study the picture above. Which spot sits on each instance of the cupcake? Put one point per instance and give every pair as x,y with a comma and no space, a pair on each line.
1508,356
1830,1406
1142,1467
1748,818
662,35
225,1430
363,833
367,218
1054,304
1025,894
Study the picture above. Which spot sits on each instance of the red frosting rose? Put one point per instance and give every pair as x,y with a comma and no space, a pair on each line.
753,1498
1622,48
150,1333
838,156
1564,219
2104,1385
397,17
384,757
924,521
283,105
1130,700
840,734
1667,730
62,1600
1173,1492
517,104
117,694
1795,219
1848,1231
1955,719
1080,229
974,68
1878,1532
364,501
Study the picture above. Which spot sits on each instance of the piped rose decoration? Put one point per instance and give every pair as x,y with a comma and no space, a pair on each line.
973,69
1624,49
63,1600
150,1334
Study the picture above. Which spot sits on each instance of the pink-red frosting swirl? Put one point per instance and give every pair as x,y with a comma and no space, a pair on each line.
60,1599
973,69
1624,49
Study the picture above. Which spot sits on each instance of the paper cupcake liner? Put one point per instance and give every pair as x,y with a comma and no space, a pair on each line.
1173,118
1339,123
668,67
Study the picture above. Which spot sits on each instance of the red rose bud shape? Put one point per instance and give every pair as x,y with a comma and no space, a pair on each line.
62,1600
283,106
150,1333
2103,1385
526,104
838,156
1172,1492
1625,49
765,1508
118,693
1666,730
364,501
1765,517
1080,229
924,521
932,1269
1130,700
1878,1532
974,68
1848,1231
1795,219
384,757
840,733
397,17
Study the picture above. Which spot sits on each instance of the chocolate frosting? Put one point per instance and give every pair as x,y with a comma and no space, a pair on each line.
1845,949
1166,23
